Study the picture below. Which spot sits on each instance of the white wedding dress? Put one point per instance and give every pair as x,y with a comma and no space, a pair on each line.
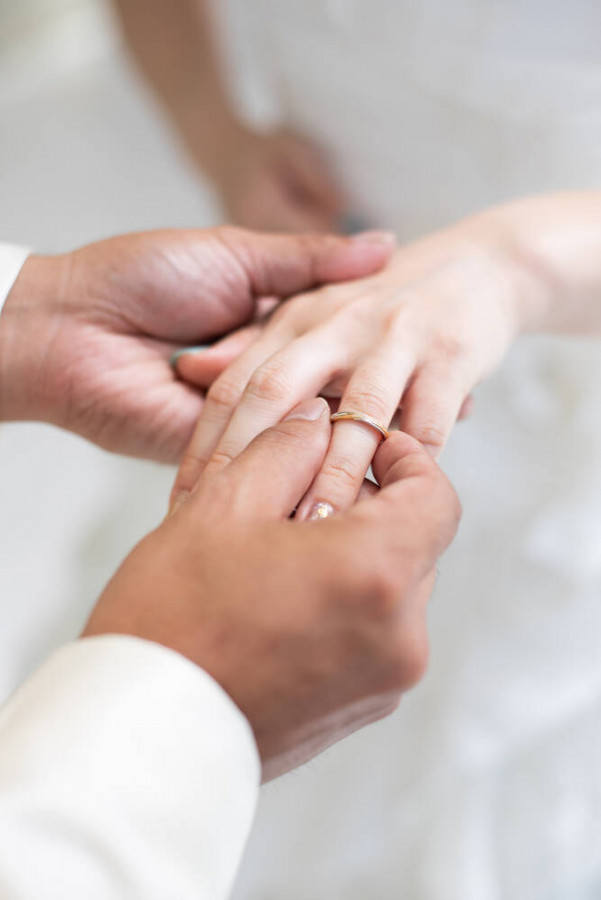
486,785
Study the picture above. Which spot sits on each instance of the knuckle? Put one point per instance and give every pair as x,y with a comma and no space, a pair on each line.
270,383
221,458
224,393
383,585
290,317
409,659
369,398
218,495
448,347
429,430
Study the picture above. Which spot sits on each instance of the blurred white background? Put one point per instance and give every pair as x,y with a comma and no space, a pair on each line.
83,154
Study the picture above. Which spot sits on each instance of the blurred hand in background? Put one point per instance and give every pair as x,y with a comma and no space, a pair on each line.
275,181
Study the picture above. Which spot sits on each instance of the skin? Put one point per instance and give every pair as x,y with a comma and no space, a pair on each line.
314,629
270,181
410,342
86,337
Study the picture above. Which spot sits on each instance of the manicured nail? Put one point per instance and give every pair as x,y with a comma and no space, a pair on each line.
387,238
311,410
319,511
185,351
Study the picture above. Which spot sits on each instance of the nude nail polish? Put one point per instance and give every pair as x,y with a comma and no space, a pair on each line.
321,510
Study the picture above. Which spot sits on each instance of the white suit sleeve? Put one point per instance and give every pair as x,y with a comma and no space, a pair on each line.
12,258
126,773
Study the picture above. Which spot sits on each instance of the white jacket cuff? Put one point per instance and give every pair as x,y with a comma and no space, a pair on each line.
125,772
12,258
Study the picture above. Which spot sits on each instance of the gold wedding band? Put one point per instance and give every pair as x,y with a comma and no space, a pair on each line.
360,417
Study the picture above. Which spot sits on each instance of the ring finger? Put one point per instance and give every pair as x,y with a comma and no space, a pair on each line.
296,373
375,390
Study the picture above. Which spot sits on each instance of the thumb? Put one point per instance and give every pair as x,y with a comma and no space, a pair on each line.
272,475
416,506
278,265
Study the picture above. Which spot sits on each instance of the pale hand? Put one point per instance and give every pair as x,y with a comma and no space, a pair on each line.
86,337
418,336
276,182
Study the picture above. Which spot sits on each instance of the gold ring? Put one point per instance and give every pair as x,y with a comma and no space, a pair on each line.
360,417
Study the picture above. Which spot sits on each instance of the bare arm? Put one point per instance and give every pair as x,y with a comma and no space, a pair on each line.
276,181
556,240
174,45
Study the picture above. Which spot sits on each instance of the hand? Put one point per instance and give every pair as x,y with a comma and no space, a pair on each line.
274,182
419,335
85,338
314,629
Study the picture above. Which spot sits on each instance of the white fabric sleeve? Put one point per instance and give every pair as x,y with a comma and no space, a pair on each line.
12,258
125,772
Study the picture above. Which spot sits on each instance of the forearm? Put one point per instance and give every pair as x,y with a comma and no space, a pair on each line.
556,241
174,44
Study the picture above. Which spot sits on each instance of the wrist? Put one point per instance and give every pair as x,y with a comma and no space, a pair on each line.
214,136
29,326
513,234
507,268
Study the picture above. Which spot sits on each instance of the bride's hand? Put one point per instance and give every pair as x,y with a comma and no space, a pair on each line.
418,336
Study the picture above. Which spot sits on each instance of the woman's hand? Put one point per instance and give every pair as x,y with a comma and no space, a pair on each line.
313,629
273,182
418,336
86,338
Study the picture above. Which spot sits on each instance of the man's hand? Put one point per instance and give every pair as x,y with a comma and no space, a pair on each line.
315,628
85,338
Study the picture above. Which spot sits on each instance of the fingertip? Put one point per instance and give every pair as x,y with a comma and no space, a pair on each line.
185,352
358,256
197,368
203,364
399,449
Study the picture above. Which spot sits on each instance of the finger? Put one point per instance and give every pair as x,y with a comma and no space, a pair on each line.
416,508
281,265
432,406
202,365
375,390
220,402
297,372
272,474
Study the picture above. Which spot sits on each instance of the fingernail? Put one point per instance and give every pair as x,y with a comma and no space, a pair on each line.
185,351
319,511
310,410
386,238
